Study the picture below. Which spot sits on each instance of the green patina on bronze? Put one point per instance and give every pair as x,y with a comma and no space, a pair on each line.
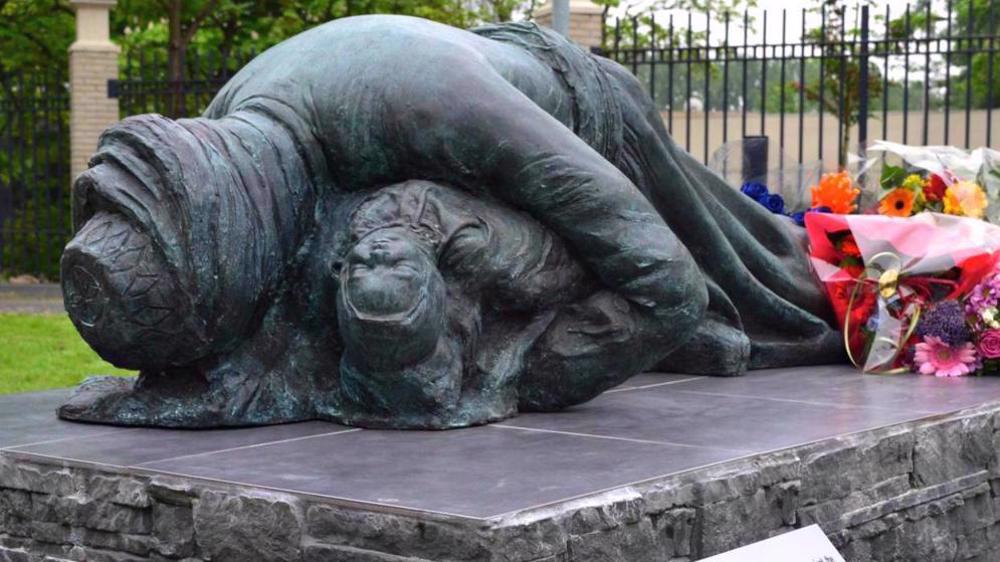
389,222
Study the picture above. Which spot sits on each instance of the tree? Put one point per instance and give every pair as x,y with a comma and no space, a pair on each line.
34,209
838,88
183,20
976,18
222,26
637,27
35,34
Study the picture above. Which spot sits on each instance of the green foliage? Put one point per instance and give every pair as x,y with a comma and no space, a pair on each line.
44,351
35,34
985,84
166,30
641,30
222,25
973,17
968,17
892,176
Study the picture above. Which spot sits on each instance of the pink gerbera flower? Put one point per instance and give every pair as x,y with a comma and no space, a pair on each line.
934,357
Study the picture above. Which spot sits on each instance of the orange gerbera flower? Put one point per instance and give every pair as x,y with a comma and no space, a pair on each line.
898,203
837,192
965,198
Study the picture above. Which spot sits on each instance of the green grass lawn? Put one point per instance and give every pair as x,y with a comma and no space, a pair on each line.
39,351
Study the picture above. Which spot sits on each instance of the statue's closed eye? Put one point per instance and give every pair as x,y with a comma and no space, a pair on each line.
406,266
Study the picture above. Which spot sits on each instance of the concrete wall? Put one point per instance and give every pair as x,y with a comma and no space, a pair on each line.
927,490
811,131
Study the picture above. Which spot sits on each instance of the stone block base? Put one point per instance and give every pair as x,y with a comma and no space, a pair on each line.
926,490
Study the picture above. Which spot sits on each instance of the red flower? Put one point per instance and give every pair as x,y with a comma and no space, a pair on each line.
850,248
934,188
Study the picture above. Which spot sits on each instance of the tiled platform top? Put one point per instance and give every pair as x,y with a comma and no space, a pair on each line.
653,426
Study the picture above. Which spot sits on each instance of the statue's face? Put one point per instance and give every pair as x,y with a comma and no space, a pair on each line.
391,298
387,275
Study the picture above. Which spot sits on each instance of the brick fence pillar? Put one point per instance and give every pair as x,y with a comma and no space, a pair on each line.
585,21
93,60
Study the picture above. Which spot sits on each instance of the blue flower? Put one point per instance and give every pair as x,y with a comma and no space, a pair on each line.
754,190
774,203
800,217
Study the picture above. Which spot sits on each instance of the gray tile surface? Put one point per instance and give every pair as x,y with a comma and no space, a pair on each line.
653,379
31,418
477,472
651,426
840,384
665,414
137,446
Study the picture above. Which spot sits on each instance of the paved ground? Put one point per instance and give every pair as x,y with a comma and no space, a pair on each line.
653,426
43,298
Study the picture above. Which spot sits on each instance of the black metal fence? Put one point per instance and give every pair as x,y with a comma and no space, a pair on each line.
145,85
829,80
833,78
34,173
35,180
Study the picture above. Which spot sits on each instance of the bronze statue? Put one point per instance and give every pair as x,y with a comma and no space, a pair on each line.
389,222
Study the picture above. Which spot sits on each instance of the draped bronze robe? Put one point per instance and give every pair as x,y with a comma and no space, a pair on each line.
695,277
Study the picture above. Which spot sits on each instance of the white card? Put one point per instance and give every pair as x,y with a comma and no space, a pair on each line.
801,545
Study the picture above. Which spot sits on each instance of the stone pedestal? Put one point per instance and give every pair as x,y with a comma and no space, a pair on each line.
666,468
585,21
93,60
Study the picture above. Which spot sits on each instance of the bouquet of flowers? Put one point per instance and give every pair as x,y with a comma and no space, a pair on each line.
942,179
908,258
919,294
901,181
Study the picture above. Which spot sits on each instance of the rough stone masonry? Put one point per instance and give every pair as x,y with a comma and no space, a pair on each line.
926,490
